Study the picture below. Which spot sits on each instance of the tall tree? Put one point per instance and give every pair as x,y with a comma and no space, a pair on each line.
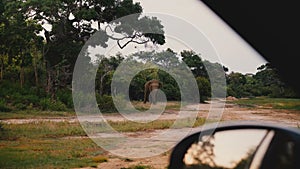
69,23
269,81
195,63
17,32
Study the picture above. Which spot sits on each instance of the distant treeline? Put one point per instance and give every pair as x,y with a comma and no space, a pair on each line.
30,95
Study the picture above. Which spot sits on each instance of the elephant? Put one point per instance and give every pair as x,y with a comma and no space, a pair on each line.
151,88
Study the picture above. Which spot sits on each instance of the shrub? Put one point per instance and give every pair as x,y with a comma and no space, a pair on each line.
18,99
48,104
172,92
20,106
3,107
105,104
65,96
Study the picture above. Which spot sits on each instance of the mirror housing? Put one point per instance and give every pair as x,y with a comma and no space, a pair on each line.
275,147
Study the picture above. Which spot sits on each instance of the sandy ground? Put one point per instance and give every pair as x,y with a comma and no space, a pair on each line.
230,113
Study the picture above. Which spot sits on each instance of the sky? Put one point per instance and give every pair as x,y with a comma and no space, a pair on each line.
233,52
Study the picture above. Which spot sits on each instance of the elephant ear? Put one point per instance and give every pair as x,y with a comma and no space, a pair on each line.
147,84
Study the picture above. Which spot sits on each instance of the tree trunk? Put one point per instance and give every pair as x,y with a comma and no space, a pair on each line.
49,82
1,70
36,74
101,83
22,78
101,86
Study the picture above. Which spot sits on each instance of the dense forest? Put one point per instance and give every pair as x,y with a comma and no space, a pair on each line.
37,61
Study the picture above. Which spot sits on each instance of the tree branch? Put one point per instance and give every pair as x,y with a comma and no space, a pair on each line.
132,38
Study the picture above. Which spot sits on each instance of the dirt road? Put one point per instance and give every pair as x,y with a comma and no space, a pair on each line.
231,112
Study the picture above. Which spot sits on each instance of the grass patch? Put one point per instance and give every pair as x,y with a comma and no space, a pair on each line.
265,102
47,153
173,105
45,145
100,159
130,126
29,114
40,130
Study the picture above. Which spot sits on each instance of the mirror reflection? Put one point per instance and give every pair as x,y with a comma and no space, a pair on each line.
232,149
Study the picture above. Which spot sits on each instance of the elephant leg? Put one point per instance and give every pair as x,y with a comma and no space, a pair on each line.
153,96
150,97
146,95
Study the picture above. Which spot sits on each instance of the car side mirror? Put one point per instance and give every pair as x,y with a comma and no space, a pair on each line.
236,146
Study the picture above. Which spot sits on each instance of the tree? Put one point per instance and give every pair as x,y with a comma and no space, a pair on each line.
236,82
72,22
17,34
204,88
107,66
269,81
195,63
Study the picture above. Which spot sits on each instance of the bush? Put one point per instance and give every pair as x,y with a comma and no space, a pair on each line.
20,106
65,96
48,104
20,98
105,104
172,92
3,107
25,99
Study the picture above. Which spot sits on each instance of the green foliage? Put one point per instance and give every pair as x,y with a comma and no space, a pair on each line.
106,104
169,85
24,99
195,62
32,98
65,96
42,130
47,62
20,106
266,82
48,104
204,88
44,145
34,113
172,92
3,106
